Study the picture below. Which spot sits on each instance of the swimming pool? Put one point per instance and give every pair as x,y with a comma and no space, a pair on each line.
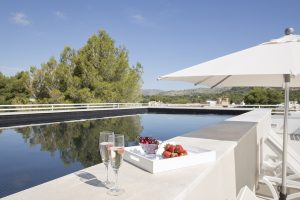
32,155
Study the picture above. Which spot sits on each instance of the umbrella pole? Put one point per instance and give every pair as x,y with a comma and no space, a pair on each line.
283,191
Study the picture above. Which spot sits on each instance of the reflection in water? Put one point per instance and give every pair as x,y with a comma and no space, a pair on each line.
78,142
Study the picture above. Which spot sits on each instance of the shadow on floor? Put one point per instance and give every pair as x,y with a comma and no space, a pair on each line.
89,179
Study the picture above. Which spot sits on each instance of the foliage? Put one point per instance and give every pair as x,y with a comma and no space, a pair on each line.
295,95
235,95
264,96
97,72
16,89
257,96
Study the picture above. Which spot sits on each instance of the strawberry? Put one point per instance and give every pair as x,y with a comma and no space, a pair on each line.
184,152
172,151
167,146
167,154
180,149
172,148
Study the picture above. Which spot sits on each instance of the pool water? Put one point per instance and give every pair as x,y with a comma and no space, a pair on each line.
33,155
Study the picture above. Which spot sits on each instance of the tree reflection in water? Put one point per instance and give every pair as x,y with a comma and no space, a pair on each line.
78,141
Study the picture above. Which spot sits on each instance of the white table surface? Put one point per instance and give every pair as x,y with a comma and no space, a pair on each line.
138,184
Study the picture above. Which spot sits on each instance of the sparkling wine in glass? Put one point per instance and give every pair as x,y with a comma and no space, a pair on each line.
106,141
116,157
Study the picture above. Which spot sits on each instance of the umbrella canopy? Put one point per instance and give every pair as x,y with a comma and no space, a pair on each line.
262,65
275,63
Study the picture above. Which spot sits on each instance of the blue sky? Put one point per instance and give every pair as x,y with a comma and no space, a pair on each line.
164,36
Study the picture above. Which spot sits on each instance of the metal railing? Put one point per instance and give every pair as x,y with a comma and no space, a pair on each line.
6,109
218,105
66,107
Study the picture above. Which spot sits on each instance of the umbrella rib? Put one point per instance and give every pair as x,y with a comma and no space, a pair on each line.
202,80
221,81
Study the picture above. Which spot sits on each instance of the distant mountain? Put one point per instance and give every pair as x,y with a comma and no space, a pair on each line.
151,92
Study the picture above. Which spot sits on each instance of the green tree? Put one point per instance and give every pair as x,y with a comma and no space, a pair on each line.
275,96
20,88
4,90
264,96
295,95
257,96
44,80
98,72
104,69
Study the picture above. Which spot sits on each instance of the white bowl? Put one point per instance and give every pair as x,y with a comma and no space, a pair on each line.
149,148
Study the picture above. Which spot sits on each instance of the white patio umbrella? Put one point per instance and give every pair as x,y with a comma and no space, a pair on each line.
275,63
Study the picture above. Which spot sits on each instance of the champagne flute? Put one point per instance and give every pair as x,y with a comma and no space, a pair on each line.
105,142
116,156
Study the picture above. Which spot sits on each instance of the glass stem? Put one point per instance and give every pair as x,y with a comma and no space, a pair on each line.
116,174
106,167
